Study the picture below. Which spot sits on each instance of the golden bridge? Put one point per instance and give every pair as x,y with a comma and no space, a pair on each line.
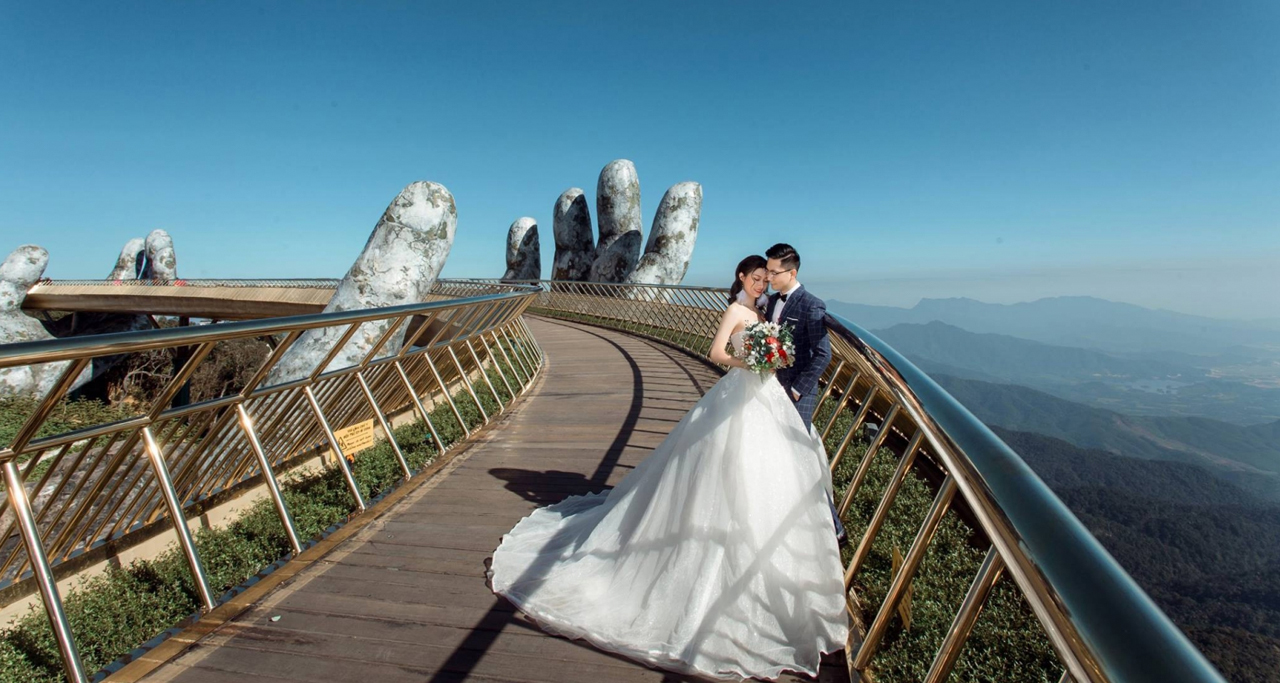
470,410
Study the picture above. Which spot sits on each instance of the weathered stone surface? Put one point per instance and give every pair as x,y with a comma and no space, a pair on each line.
399,265
617,260
671,239
572,226
162,262
132,259
618,214
22,269
19,272
524,255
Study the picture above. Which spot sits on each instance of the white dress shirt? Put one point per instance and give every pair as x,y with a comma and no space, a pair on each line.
777,315
777,310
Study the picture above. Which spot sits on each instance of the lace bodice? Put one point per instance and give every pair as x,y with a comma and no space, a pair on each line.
736,339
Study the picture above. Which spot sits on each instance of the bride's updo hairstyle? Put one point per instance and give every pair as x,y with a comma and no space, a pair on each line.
748,266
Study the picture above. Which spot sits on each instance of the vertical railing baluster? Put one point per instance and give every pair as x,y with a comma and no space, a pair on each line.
417,403
844,399
831,383
532,340
21,507
853,428
426,356
178,517
382,422
352,486
907,572
493,360
519,365
882,510
466,383
269,478
485,375
865,465
966,617
520,354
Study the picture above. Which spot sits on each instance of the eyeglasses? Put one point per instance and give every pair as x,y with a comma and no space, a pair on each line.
773,273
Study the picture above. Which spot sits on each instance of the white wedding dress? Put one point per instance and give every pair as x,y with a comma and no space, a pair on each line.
715,556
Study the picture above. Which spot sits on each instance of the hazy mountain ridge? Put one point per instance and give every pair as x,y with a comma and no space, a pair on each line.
1085,322
1015,358
1124,384
1246,456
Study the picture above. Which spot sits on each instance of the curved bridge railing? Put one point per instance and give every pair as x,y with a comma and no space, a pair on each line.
1097,621
69,492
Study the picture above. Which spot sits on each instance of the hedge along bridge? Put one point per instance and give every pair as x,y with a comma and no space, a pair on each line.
877,413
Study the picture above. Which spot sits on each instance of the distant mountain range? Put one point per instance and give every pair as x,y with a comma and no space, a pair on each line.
1248,457
1084,322
1128,385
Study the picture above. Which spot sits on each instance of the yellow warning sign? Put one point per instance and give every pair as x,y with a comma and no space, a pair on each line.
355,438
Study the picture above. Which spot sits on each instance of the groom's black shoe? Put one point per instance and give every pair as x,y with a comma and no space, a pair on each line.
842,539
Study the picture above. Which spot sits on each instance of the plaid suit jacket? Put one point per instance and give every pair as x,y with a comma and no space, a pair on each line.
807,315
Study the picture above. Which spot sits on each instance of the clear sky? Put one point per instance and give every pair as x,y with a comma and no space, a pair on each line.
1000,150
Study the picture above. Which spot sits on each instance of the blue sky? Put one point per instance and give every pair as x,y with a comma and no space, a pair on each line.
1000,150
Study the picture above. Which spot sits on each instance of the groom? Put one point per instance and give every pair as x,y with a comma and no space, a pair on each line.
792,304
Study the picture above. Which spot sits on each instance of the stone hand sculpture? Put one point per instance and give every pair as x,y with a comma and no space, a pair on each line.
616,257
400,262
524,255
19,272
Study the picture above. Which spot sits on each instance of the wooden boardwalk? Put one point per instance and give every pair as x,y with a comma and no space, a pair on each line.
405,599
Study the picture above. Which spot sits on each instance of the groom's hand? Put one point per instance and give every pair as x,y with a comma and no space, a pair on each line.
795,396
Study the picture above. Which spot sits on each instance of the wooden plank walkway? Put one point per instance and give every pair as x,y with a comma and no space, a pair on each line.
405,599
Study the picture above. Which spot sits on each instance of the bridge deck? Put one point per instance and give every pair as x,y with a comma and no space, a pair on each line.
405,597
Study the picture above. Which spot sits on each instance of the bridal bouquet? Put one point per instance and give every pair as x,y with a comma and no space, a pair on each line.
767,347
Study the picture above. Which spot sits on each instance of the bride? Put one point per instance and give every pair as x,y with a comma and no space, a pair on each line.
715,555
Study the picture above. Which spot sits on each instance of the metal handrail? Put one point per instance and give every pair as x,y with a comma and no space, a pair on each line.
89,346
107,481
1104,628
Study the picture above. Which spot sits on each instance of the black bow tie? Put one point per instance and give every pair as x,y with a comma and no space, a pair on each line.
782,297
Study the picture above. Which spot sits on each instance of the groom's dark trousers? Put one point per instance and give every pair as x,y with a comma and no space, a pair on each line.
807,316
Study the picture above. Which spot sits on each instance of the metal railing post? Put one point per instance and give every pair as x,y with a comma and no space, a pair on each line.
178,517
966,617
417,403
21,507
426,356
466,383
269,478
485,374
493,360
337,449
941,503
382,420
